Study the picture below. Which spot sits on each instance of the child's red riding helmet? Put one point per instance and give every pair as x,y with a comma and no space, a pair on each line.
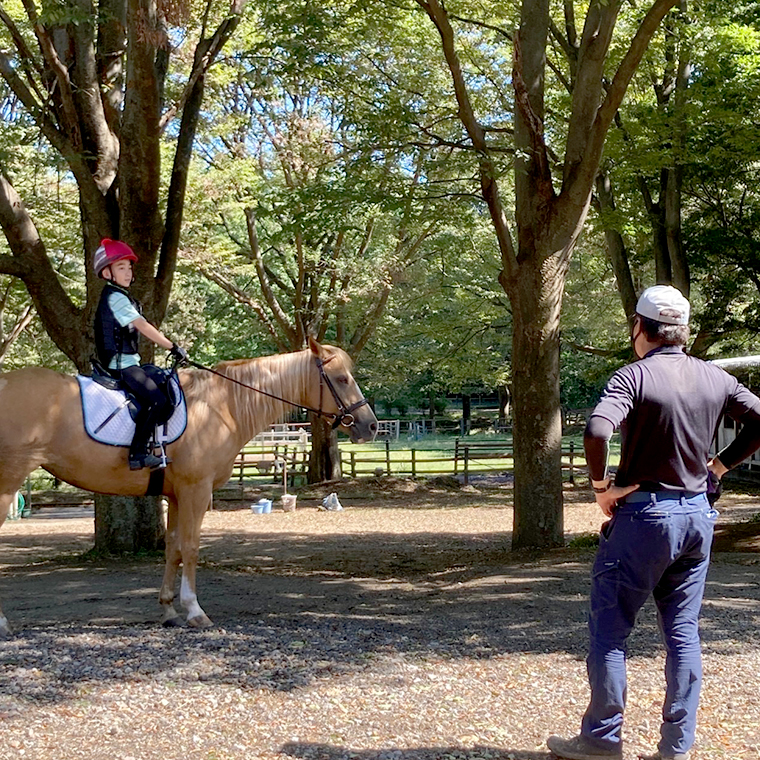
109,252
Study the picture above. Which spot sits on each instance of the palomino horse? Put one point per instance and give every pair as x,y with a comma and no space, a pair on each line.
43,427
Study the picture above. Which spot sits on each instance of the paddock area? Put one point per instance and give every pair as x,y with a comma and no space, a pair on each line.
400,628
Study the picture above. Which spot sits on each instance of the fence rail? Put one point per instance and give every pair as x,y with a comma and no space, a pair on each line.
466,459
278,462
273,464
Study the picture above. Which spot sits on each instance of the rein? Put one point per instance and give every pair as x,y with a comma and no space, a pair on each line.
345,418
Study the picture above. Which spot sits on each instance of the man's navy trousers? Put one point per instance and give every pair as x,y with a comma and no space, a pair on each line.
656,543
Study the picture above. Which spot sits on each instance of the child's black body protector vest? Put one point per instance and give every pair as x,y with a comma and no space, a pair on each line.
110,337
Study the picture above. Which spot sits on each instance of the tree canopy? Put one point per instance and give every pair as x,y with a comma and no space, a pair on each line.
408,180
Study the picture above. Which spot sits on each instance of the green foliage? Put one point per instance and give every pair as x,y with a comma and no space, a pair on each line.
333,119
709,130
584,541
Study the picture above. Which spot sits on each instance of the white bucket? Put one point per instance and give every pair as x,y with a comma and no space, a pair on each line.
288,502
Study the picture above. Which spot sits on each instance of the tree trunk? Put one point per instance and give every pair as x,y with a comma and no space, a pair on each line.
324,460
466,413
616,250
536,419
679,266
128,524
103,113
548,223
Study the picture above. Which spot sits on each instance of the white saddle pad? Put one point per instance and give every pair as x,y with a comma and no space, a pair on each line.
99,403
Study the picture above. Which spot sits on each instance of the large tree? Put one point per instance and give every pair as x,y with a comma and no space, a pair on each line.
554,171
104,84
318,208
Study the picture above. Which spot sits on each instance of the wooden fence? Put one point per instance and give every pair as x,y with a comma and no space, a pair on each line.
466,459
275,463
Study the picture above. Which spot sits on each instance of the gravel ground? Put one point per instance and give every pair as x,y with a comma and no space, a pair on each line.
390,631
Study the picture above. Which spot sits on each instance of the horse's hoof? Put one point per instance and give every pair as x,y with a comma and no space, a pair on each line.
173,622
201,621
5,629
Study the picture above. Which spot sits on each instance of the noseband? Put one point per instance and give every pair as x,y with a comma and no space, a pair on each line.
346,417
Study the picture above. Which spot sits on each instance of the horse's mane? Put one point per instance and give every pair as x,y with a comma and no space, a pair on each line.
284,375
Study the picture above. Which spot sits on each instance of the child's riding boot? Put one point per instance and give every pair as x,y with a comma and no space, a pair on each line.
140,454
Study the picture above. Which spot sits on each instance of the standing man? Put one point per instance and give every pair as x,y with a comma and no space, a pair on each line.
668,406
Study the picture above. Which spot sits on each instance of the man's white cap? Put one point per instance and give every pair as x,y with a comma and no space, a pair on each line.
664,303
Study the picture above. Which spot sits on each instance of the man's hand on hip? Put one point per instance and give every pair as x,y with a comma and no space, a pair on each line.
608,499
717,468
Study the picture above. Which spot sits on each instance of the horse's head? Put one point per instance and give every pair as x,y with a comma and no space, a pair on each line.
339,394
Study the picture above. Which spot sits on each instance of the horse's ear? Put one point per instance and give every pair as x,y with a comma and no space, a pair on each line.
316,348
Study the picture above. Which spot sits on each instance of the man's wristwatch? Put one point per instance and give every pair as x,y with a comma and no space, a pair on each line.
602,489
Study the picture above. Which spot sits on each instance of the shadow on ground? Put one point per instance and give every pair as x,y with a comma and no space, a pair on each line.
328,752
323,606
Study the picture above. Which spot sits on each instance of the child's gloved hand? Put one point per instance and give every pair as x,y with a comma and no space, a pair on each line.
179,354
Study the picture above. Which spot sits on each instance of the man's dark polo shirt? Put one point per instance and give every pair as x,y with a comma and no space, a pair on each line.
668,406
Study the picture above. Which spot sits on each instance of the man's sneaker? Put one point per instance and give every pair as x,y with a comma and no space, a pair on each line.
144,460
659,755
580,748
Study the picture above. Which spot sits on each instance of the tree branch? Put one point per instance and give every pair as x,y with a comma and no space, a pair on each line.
61,74
90,193
12,266
21,323
539,154
241,297
206,53
621,80
466,113
61,319
269,297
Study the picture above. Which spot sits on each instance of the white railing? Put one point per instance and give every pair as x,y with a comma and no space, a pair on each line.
389,429
299,434
284,435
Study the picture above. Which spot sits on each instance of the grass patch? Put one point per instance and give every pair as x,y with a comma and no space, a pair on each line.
584,541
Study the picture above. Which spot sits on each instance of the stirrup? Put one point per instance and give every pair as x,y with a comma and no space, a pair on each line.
144,460
165,460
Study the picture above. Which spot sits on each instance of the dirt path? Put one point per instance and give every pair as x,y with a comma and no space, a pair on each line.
398,629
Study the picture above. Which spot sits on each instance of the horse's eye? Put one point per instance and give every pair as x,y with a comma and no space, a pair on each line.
343,379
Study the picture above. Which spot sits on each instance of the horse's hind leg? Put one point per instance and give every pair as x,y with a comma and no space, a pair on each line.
173,559
6,499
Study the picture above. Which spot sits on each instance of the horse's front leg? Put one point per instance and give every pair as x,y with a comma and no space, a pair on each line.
170,616
191,509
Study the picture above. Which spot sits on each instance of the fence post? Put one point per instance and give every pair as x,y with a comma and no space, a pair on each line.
388,458
353,464
414,463
572,451
242,468
466,465
456,455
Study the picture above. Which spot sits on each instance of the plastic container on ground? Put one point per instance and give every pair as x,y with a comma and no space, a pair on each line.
262,507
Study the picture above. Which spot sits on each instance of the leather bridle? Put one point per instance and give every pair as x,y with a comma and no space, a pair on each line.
346,416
